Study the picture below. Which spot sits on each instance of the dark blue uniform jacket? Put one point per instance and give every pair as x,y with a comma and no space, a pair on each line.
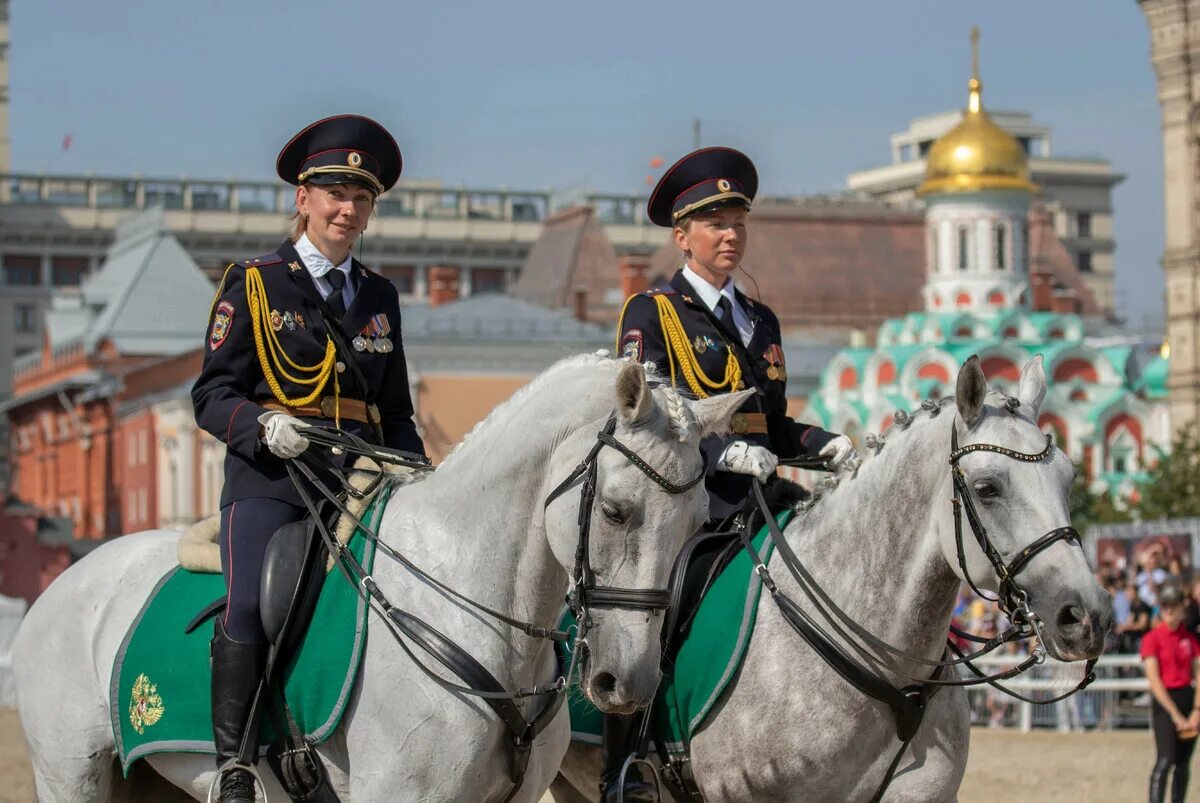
762,365
231,388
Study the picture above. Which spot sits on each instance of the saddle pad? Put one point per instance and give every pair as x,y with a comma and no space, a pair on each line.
708,657
159,699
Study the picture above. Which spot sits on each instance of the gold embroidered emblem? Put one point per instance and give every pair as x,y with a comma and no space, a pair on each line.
294,266
145,704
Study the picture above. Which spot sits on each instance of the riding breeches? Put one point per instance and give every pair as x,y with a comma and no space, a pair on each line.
246,527
1173,752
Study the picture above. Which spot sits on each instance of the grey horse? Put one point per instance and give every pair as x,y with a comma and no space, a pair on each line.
882,544
478,525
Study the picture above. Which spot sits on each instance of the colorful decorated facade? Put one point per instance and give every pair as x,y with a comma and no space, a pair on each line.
1107,400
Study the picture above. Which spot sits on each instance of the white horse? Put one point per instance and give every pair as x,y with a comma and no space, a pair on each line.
883,546
476,524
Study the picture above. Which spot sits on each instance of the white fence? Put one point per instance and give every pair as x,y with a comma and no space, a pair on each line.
1119,697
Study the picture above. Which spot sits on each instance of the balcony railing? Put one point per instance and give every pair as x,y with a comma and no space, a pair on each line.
271,197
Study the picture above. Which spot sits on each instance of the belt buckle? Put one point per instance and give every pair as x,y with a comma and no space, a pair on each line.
737,423
328,407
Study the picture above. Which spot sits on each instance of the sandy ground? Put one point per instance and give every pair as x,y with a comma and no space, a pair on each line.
1004,766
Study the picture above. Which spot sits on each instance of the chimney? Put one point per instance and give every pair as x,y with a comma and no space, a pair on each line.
443,285
579,295
632,268
1042,286
1066,302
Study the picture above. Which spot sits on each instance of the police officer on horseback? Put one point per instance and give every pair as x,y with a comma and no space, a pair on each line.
709,337
304,335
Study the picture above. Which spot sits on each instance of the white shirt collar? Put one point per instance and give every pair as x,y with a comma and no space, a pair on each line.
316,262
710,295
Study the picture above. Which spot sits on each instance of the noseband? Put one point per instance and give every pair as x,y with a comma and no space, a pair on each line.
585,594
1012,598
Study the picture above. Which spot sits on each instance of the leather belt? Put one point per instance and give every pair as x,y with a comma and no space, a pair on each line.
352,409
748,424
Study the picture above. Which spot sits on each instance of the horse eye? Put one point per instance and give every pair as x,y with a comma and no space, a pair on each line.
612,514
986,490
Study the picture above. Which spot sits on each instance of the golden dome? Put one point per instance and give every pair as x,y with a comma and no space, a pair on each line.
976,154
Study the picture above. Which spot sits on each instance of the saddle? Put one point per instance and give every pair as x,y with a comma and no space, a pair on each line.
294,571
706,554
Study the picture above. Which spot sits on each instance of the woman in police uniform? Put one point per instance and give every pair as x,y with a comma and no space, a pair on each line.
710,338
272,366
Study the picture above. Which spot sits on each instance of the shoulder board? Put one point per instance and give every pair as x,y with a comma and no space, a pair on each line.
659,291
265,259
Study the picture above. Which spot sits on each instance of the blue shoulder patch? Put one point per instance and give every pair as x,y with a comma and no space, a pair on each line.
265,259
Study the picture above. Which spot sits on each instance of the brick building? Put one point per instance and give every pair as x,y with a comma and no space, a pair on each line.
83,445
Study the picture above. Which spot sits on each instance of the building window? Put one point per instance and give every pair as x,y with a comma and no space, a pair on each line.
1084,261
402,276
1083,224
142,457
924,146
25,318
143,513
964,248
67,271
22,271
931,244
488,280
1001,246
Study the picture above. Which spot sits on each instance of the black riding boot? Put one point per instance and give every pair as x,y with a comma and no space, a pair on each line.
237,667
620,733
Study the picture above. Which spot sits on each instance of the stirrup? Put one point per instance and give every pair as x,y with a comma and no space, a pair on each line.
233,764
633,760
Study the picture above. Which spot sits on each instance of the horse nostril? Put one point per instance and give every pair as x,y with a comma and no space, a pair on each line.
1070,616
604,683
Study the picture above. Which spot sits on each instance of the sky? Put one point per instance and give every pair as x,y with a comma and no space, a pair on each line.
574,96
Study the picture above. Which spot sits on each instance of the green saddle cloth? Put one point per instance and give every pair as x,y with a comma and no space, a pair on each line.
159,700
708,657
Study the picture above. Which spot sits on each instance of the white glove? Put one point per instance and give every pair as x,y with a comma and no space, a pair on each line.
740,457
838,450
280,434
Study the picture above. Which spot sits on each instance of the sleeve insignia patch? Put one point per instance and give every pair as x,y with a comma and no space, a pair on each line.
631,345
222,320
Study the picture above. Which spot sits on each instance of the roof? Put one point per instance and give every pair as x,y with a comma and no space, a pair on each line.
825,263
147,297
571,254
497,318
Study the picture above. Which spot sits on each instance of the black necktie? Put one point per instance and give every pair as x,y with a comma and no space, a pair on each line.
726,319
337,280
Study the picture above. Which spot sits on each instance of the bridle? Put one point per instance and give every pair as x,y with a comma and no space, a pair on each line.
1011,597
478,681
863,658
585,593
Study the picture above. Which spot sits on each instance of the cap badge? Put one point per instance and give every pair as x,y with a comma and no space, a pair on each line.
723,185
354,159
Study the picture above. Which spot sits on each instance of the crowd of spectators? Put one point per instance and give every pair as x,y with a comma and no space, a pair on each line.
1135,590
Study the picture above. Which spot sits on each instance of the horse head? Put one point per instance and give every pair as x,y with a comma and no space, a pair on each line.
1017,486
648,499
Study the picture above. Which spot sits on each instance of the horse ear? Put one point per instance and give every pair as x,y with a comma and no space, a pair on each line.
1032,388
634,402
715,412
971,391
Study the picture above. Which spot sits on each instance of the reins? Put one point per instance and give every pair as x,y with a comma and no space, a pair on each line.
480,682
865,673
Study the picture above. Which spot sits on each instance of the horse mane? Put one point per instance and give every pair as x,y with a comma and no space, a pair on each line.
873,444
679,417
